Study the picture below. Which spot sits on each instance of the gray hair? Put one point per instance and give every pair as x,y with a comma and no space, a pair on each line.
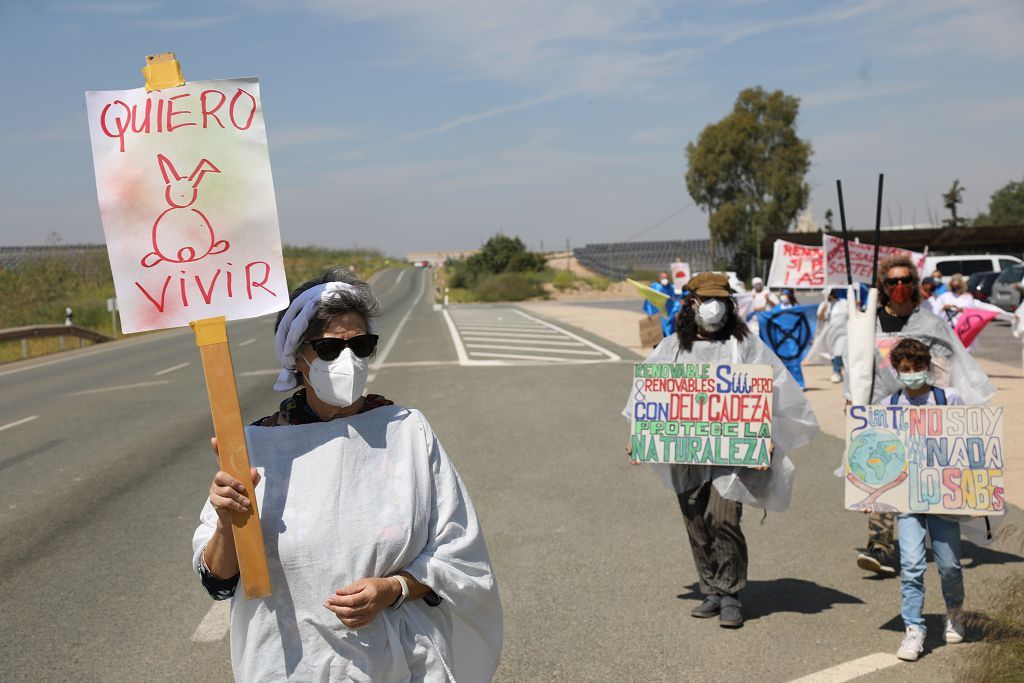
363,302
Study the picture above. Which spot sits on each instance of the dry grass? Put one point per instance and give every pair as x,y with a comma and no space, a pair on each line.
1001,658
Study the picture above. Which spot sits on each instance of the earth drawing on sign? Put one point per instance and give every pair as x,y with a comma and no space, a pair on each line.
877,463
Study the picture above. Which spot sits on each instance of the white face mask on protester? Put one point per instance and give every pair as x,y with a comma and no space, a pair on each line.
711,315
341,381
914,380
664,281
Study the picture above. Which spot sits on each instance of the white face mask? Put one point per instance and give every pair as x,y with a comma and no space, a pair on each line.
914,380
664,281
711,314
341,381
785,298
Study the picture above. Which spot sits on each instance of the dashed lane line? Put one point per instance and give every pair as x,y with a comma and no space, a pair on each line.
214,625
120,387
393,336
247,342
18,422
855,668
179,366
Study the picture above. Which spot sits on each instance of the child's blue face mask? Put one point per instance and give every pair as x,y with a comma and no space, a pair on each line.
914,380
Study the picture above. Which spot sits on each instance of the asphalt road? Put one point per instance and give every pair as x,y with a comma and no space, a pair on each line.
101,491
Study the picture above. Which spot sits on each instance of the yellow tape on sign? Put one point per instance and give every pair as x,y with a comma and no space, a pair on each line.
210,331
162,71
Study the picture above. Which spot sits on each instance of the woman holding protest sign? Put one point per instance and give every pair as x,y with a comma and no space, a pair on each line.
900,315
711,497
378,565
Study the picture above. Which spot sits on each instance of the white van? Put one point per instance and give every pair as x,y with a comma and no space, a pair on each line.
967,264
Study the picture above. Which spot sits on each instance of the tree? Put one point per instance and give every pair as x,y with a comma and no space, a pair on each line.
500,254
828,221
747,171
1006,206
950,199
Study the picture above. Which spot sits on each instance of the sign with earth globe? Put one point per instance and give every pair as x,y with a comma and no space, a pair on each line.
876,458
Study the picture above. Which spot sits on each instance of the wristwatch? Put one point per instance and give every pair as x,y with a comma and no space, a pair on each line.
405,591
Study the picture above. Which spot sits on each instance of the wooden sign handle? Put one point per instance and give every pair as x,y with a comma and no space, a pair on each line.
212,340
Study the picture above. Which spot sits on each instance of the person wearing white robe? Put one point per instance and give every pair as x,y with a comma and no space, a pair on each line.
711,497
902,314
377,563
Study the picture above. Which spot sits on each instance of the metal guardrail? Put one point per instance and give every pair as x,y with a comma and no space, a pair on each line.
61,331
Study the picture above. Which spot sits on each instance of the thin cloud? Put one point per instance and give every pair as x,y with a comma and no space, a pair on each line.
852,92
109,8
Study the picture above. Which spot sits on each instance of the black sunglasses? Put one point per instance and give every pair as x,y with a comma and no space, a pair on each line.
329,348
893,281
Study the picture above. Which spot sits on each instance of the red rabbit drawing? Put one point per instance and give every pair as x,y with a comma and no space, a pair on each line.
182,234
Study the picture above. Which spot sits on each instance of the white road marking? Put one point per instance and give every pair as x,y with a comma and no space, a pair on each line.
855,668
502,347
95,349
399,278
611,356
259,373
18,422
382,356
479,332
214,625
179,366
247,342
121,386
506,340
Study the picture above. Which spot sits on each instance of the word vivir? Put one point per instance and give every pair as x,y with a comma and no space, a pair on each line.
209,288
163,113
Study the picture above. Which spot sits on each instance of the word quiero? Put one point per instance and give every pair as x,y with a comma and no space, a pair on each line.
119,120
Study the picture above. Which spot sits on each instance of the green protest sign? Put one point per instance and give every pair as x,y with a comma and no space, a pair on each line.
702,414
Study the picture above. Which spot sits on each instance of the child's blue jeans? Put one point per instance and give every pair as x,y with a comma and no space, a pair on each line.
837,364
945,536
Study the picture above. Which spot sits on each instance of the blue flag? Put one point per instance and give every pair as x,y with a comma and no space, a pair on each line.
789,332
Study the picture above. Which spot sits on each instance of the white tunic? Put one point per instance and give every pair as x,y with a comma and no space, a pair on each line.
364,496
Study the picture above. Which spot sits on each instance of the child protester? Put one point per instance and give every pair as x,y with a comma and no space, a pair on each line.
912,360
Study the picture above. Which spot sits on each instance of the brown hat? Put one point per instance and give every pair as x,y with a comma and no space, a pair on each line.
709,284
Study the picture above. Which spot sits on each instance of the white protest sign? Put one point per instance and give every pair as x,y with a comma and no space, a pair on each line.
796,266
925,459
862,258
187,203
680,274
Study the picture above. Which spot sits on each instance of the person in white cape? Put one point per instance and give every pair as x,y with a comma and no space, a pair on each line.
711,497
378,565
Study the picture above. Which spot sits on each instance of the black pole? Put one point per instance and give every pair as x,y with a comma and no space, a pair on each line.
878,230
846,243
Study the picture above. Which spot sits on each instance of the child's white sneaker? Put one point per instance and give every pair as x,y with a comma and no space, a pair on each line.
954,631
912,645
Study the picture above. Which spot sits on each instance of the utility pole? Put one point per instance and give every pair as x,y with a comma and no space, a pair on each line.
568,255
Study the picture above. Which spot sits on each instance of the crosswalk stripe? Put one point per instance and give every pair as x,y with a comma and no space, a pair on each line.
533,348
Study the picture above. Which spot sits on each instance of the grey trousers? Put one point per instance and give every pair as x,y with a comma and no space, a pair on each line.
718,545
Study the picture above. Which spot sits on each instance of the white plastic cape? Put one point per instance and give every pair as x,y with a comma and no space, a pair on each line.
952,365
829,336
793,423
365,496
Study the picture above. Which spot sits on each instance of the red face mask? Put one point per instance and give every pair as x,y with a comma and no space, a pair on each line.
900,294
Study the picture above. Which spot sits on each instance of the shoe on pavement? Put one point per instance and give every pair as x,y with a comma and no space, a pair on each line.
912,645
954,631
876,561
730,616
836,378
710,607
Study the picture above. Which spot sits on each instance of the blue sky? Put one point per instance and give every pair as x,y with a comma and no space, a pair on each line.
411,124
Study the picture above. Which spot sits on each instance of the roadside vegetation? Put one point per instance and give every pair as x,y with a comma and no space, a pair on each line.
503,270
37,290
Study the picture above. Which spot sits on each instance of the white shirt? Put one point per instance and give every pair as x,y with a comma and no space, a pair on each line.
364,496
